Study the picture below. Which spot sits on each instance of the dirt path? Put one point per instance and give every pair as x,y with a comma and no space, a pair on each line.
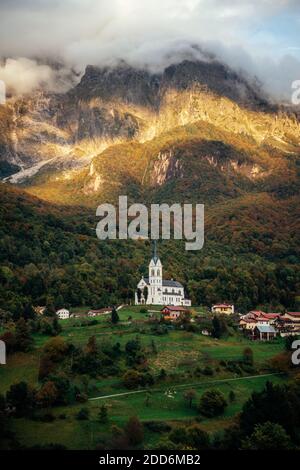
173,387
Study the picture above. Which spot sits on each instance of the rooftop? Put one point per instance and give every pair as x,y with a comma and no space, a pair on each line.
223,305
271,316
266,329
100,310
172,308
166,282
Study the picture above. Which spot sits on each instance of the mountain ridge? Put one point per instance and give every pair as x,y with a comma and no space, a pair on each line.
114,105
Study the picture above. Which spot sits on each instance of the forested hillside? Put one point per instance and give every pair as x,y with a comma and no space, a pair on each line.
50,254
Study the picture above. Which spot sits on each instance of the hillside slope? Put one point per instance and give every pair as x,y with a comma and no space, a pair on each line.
51,254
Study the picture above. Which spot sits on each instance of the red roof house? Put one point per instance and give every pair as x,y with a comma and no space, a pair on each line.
171,312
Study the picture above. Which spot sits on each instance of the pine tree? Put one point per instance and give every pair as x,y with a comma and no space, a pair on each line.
153,347
56,326
216,327
50,310
146,293
114,316
91,347
103,414
28,312
134,430
23,338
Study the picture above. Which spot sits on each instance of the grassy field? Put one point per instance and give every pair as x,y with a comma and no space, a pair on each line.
162,406
178,352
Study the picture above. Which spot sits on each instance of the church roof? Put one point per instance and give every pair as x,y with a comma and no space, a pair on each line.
166,283
171,283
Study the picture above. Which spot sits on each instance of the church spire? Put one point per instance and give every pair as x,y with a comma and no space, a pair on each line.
155,257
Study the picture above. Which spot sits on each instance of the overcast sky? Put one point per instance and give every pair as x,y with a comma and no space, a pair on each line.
261,36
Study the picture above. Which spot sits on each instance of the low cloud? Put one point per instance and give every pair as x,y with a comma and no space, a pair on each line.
24,75
259,36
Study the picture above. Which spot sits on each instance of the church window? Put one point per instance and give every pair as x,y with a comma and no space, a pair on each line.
158,272
152,272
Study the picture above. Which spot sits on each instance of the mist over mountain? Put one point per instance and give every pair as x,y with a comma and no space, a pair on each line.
260,38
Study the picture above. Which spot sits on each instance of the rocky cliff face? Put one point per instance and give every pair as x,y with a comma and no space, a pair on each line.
47,141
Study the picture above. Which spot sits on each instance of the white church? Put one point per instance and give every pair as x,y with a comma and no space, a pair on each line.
160,291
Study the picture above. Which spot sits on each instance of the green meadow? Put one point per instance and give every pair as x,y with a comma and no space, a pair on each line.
178,352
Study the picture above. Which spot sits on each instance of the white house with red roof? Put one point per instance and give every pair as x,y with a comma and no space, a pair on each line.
226,309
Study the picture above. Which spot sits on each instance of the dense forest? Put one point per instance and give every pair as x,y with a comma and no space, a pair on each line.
50,255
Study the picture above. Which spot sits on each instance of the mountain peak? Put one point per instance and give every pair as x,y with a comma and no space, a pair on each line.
143,87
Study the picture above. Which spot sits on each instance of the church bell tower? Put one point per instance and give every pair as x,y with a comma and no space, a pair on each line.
155,277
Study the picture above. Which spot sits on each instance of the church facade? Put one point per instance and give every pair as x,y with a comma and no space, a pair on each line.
154,290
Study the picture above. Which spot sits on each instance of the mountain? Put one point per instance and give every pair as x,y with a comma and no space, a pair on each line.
50,134
197,132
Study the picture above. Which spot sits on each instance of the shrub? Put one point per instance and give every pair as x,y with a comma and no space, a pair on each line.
248,356
268,436
208,370
47,418
134,430
83,414
81,397
103,414
190,437
158,426
132,379
212,403
143,310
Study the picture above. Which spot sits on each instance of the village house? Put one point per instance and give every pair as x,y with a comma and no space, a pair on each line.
257,317
173,313
272,317
226,309
293,316
154,290
39,310
289,324
99,312
285,325
63,314
254,320
247,323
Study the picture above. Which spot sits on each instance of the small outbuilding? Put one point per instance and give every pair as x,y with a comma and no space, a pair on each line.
265,332
63,314
99,312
